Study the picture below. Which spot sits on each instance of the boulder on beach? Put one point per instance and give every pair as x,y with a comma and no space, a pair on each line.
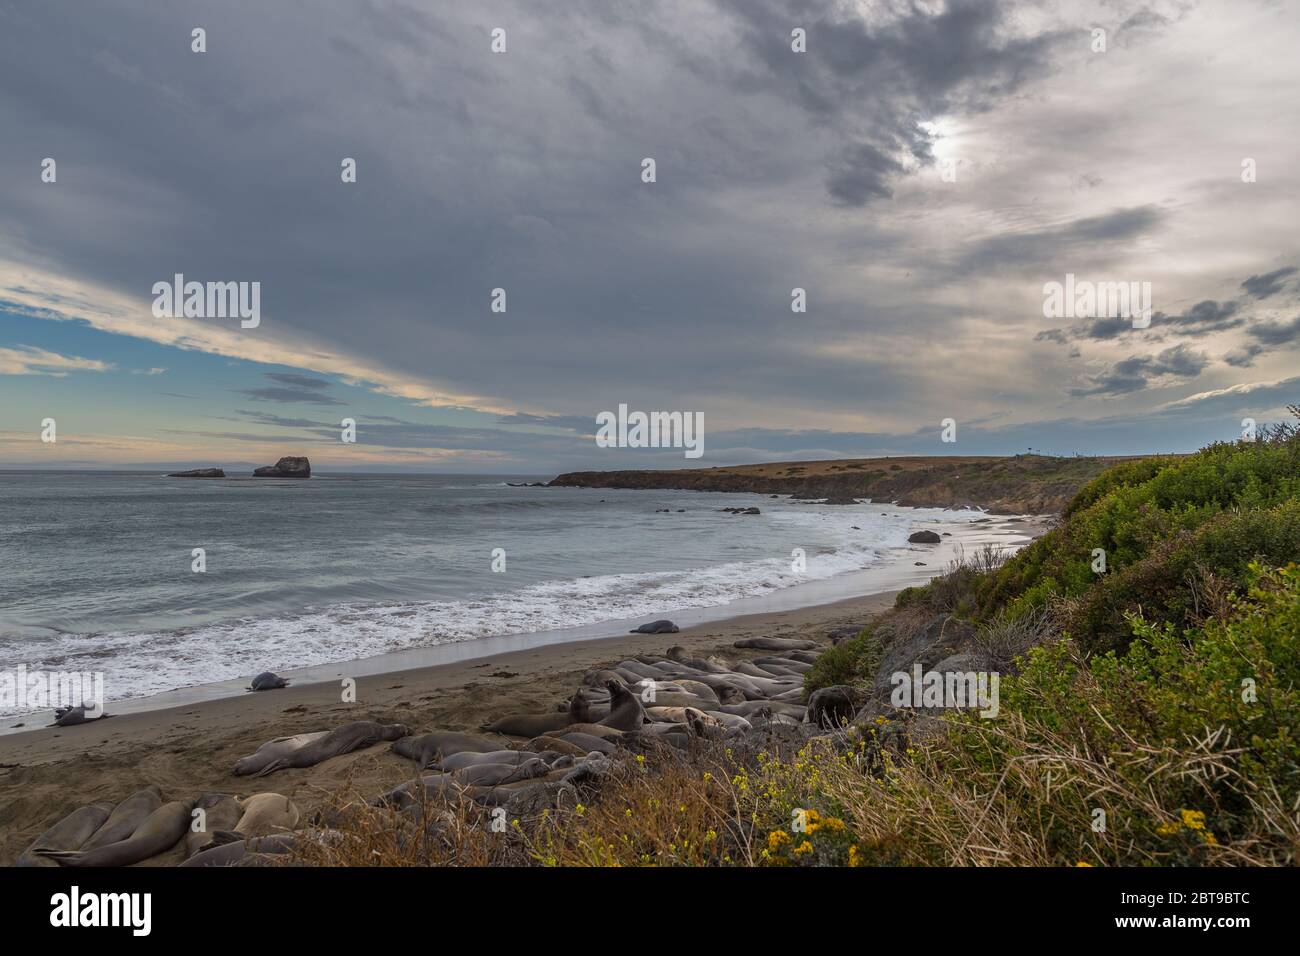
923,537
288,467
198,473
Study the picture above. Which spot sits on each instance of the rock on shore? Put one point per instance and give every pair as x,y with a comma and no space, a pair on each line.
287,467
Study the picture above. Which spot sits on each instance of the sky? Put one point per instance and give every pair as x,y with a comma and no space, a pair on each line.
920,170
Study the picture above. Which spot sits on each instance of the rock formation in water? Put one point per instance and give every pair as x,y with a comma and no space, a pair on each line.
287,467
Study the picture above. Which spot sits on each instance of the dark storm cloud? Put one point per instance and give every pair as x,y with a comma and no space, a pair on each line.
1276,333
1138,371
1204,318
1270,283
876,81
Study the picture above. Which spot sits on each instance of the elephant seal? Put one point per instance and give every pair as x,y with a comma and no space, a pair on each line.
656,627
268,681
834,706
589,743
427,748
678,654
599,677
274,750
160,832
68,834
125,818
529,725
683,715
497,774
81,714
354,735
462,760
555,744
776,644
221,811
243,852
265,814
625,710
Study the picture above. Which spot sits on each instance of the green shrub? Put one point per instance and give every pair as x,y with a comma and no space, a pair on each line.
851,661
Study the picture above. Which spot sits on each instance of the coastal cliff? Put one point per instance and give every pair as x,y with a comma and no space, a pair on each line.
1020,484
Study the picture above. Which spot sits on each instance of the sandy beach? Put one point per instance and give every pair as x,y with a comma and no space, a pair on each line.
46,773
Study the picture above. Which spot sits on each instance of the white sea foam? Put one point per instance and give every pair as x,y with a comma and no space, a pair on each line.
142,663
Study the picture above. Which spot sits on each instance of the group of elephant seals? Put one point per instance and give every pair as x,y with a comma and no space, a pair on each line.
268,681
68,834
318,747
656,627
125,818
161,831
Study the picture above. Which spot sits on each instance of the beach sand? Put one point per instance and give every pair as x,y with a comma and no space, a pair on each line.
188,750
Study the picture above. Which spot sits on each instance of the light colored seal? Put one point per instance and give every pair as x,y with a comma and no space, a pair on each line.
68,834
266,813
160,832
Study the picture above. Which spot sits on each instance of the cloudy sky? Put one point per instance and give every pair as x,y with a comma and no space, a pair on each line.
775,169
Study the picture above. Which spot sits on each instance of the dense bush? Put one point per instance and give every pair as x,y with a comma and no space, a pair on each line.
1162,523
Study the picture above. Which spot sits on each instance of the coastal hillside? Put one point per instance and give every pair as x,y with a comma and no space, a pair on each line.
1146,712
1020,484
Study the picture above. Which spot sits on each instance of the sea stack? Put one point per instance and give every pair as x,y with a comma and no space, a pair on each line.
199,473
288,467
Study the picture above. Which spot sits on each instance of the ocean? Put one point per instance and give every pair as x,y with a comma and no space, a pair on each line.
96,568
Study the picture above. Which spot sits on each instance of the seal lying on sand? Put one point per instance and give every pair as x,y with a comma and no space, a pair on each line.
776,644
656,627
263,814
268,681
221,811
428,748
341,740
274,750
160,832
244,852
81,714
469,759
529,725
126,818
68,834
